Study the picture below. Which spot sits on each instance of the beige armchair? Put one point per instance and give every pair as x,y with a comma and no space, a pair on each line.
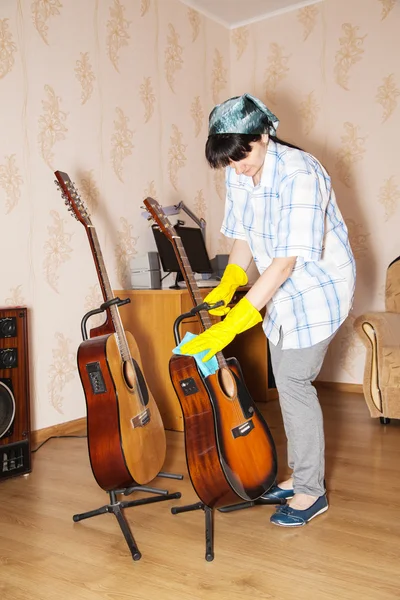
380,333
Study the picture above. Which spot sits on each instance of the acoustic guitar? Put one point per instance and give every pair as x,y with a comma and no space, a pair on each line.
230,452
126,437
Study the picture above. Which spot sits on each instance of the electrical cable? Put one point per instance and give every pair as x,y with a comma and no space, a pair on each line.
53,437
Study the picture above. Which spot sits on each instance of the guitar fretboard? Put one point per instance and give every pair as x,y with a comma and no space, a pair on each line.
194,291
108,295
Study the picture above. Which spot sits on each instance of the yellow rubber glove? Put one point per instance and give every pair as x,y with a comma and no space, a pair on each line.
243,316
233,277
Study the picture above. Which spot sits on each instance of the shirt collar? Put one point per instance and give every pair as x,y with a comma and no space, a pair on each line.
268,174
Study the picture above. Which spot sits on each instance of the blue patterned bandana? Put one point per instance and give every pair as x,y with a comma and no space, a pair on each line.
242,114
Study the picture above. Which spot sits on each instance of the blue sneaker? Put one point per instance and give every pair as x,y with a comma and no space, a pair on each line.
277,493
285,516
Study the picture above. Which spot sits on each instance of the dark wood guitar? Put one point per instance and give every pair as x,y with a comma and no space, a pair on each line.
126,437
229,449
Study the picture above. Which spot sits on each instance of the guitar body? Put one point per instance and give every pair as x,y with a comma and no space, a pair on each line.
120,453
230,453
126,435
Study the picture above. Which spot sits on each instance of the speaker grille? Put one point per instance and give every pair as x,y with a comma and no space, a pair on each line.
7,408
14,459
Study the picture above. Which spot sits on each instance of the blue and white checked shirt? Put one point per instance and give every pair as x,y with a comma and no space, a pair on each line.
293,212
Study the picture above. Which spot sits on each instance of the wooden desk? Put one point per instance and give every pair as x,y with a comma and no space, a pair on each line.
150,318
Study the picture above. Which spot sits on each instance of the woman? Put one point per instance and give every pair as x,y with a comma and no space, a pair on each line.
282,212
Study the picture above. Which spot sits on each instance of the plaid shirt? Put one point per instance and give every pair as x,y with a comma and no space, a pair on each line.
293,212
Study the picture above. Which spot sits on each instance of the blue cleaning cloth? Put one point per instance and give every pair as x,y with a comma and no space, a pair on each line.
206,368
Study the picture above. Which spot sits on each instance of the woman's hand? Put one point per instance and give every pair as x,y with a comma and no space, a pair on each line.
233,277
243,316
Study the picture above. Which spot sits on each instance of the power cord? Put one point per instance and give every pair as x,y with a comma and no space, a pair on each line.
54,437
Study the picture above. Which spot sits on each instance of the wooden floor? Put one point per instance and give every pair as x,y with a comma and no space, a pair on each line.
352,552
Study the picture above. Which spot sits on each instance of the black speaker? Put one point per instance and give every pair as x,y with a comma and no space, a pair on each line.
15,428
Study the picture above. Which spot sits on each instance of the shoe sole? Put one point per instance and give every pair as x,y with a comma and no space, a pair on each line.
273,497
305,522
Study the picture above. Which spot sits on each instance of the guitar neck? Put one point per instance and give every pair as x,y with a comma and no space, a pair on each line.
107,292
194,291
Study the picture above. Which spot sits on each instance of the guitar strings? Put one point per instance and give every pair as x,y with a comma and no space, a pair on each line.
122,342
193,287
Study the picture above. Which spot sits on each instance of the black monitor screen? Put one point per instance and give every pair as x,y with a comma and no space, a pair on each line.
195,248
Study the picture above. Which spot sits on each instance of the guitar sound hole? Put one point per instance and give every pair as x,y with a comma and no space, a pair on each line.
227,382
134,379
129,375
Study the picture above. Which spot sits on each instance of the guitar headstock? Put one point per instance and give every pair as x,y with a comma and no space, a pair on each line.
158,216
72,198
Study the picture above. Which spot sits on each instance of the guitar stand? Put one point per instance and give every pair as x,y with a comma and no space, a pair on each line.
99,310
209,525
115,506
192,313
208,511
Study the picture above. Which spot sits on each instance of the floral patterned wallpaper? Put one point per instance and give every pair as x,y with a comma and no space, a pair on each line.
117,94
331,73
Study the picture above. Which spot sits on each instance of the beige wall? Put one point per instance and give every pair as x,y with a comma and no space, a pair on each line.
331,73
116,93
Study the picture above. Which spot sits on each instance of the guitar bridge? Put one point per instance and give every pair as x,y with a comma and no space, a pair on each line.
243,429
142,419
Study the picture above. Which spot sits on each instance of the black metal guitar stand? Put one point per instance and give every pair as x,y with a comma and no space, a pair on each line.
192,313
103,307
115,506
209,526
208,511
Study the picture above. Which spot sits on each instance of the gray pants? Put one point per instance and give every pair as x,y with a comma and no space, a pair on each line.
294,371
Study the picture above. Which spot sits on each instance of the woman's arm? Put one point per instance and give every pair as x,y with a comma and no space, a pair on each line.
272,278
270,281
240,254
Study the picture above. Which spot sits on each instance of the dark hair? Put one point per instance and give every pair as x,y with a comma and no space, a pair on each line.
222,148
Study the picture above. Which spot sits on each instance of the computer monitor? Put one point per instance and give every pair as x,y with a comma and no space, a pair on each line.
195,248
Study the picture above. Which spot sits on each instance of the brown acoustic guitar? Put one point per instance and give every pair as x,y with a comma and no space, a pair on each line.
230,452
126,437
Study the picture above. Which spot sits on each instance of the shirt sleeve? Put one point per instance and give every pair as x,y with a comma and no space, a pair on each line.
232,226
300,220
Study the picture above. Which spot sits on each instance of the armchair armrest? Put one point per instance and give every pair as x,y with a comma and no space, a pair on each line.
380,334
